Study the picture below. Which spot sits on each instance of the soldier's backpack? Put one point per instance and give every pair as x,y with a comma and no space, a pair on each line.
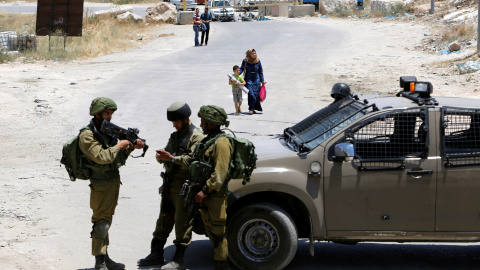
244,159
75,160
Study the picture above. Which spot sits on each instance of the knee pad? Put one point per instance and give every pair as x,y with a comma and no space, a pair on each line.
100,229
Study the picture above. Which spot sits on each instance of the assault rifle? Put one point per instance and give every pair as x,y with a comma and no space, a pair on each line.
199,174
130,134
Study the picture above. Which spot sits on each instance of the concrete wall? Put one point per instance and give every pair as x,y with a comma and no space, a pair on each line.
185,17
300,11
280,11
265,11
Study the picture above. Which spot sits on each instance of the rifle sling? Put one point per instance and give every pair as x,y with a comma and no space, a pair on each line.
185,141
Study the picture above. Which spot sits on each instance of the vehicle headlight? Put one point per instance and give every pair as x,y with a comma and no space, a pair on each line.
315,167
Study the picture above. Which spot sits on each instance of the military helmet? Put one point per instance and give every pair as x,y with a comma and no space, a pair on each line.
178,111
340,89
101,104
214,115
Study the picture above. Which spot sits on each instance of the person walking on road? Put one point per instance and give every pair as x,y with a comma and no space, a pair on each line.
215,150
253,76
196,25
206,18
175,158
236,90
105,154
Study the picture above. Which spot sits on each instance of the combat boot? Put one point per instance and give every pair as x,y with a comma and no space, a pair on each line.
100,262
221,265
156,254
112,265
177,262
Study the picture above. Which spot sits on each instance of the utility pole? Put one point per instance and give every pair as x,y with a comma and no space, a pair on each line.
432,7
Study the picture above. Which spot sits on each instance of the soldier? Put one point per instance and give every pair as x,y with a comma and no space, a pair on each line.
339,91
176,157
217,151
105,156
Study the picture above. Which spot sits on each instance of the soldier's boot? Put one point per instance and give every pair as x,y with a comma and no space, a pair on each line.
177,262
112,265
221,265
156,253
100,262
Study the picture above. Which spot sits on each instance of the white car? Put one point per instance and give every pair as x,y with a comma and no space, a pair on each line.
191,4
221,10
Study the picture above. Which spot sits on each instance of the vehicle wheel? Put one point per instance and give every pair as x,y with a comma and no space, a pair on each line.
261,237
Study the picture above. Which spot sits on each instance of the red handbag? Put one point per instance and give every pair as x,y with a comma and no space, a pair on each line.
263,93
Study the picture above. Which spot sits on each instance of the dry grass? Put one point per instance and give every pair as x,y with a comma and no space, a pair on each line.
124,2
100,37
460,32
11,1
22,23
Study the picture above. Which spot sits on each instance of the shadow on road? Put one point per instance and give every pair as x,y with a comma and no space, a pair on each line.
391,256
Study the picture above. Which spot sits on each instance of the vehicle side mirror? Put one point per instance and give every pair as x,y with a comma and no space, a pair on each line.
344,151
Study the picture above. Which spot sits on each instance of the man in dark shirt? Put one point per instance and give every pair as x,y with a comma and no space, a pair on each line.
206,18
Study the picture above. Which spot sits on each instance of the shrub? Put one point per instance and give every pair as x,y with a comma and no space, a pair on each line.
99,37
460,32
342,11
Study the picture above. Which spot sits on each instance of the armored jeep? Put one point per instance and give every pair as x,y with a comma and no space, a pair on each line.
391,169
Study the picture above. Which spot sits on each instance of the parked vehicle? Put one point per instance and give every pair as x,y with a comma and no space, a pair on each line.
403,168
179,4
244,5
221,10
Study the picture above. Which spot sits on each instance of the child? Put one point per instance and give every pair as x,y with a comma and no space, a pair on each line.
236,90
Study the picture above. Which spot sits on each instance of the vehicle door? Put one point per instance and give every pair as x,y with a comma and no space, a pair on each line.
458,187
389,184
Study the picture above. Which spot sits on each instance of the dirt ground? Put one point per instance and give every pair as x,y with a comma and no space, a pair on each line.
36,101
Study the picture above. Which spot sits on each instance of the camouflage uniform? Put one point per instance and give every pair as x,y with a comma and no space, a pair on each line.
216,150
104,185
180,147
105,157
214,206
172,214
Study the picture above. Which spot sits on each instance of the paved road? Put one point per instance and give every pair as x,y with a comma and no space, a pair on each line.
291,54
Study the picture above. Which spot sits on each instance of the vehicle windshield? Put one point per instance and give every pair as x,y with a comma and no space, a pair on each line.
318,127
221,4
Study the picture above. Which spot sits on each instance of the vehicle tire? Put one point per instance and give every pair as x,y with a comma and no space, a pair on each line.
261,236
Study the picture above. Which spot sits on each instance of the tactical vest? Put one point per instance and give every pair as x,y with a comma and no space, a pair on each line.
110,171
178,147
199,155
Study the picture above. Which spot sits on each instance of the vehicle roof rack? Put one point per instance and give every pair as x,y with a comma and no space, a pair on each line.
417,91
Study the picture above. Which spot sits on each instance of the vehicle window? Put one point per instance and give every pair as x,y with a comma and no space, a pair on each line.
391,137
221,4
318,127
461,136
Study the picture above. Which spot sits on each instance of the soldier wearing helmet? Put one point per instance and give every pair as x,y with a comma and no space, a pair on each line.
105,155
216,150
339,91
175,158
